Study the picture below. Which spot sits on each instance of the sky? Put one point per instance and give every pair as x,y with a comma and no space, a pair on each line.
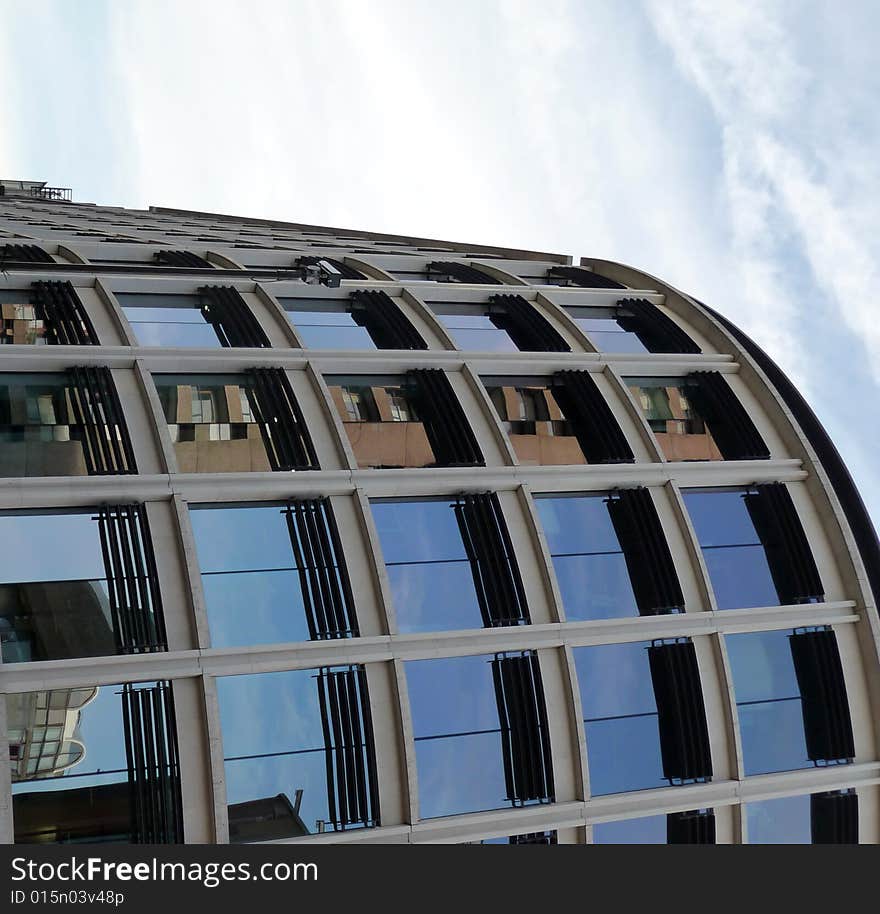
730,148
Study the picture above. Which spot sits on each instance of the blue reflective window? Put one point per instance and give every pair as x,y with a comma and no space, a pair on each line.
620,717
52,610
782,821
768,701
605,332
167,320
432,587
275,753
589,563
458,739
646,830
326,324
249,575
734,555
471,329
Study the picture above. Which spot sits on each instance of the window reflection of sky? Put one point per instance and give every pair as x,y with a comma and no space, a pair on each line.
587,558
71,539
432,585
620,718
782,821
457,736
768,702
644,830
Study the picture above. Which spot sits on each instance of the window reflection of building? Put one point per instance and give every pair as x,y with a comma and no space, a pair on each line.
20,324
680,431
212,425
538,429
382,423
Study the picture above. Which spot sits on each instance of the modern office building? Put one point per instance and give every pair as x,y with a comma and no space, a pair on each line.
319,535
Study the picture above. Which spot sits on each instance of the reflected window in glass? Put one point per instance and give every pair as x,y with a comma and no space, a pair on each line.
326,323
168,320
471,327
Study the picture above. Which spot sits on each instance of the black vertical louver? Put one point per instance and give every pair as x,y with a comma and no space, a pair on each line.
658,332
730,425
153,765
132,579
66,321
789,556
24,253
384,321
525,325
834,817
497,580
696,826
681,715
446,425
449,271
233,322
827,725
345,271
320,563
592,421
182,259
525,739
648,559
349,752
97,411
285,436
579,276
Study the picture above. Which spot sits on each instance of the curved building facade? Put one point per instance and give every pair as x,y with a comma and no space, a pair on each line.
318,535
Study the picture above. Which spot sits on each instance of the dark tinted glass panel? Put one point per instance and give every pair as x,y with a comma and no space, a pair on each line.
471,329
167,320
605,332
274,749
326,324
458,742
382,423
734,555
70,774
40,434
768,701
587,558
680,431
432,587
249,576
647,830
211,423
537,427
782,821
53,589
620,717
18,321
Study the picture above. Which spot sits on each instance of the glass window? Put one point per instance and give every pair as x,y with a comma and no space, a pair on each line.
587,558
472,328
212,423
19,324
432,585
458,736
620,717
167,320
251,577
54,601
41,433
74,787
783,821
382,422
680,431
768,701
734,556
605,330
535,424
327,323
646,830
278,751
